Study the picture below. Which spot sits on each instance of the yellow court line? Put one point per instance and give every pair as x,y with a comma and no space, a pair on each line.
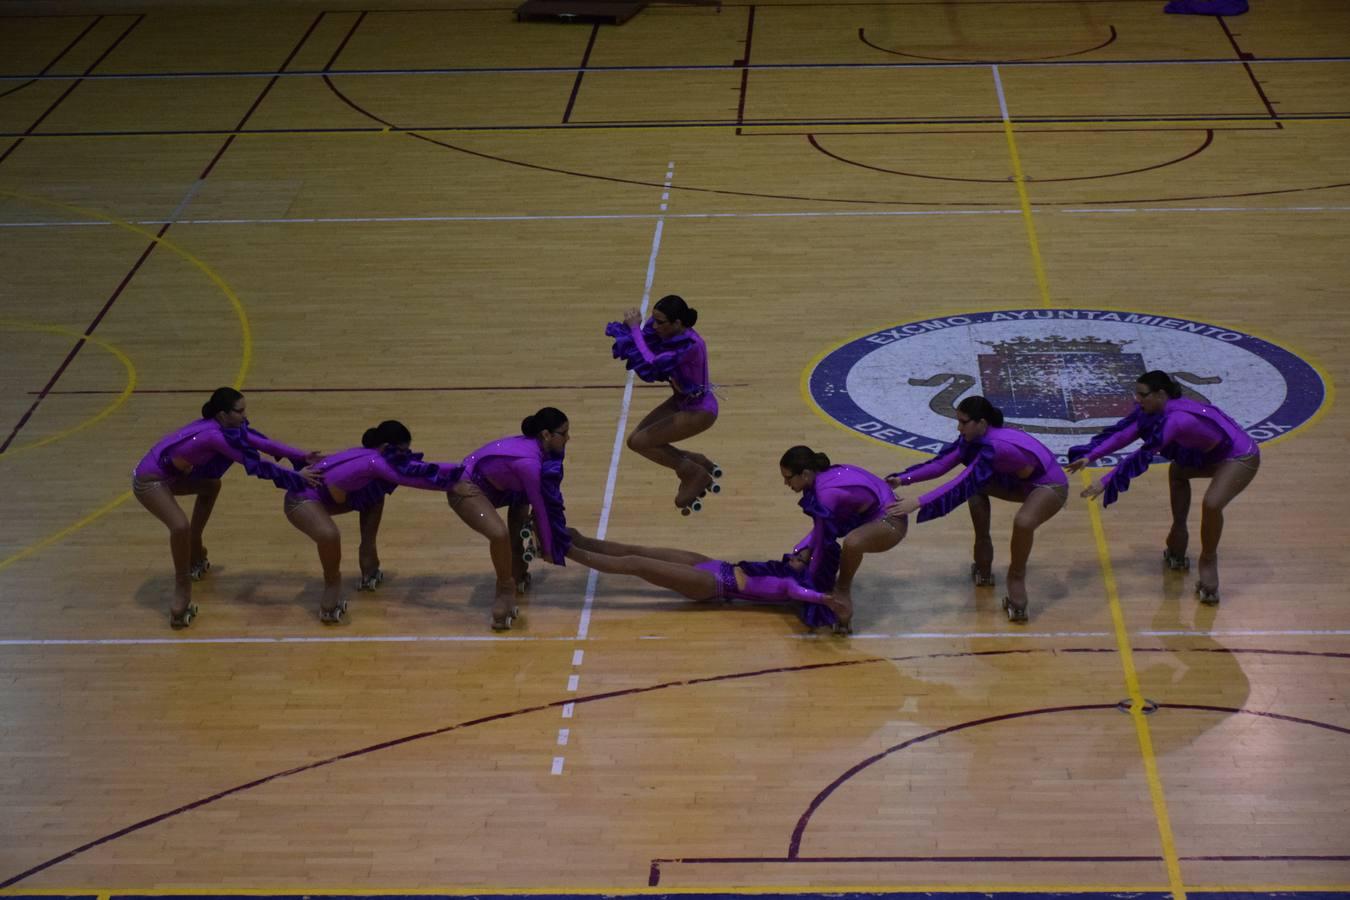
1141,728
103,413
246,341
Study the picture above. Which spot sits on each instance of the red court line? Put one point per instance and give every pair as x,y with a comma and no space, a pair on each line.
632,692
150,248
88,28
581,73
1244,56
73,85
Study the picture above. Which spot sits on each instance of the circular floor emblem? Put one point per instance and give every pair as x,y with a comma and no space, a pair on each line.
1058,374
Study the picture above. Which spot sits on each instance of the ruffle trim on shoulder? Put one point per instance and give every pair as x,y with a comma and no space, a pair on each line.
666,353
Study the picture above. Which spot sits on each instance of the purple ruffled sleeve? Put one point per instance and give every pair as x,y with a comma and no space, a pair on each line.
941,464
644,353
263,444
543,490
235,445
1109,439
979,460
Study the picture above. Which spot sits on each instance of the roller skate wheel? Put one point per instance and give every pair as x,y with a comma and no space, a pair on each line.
696,506
526,534
716,471
527,556
715,488
685,511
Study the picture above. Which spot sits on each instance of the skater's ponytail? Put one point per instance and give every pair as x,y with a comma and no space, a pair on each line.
547,419
1158,380
981,410
800,458
389,431
222,400
673,307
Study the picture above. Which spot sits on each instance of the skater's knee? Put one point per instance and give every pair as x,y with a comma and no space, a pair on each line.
180,529
1213,505
637,442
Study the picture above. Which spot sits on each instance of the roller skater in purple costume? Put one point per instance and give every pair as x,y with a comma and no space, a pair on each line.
1202,442
191,460
1000,462
700,577
521,473
359,479
669,349
845,503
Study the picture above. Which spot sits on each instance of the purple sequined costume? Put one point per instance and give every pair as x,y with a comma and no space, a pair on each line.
364,477
995,459
841,499
1193,435
514,470
682,360
211,449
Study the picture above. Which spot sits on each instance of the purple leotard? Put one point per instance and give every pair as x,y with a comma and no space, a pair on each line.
514,470
841,499
682,360
364,477
211,449
1193,435
995,458
764,586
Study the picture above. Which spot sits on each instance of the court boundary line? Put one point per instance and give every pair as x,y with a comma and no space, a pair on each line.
696,681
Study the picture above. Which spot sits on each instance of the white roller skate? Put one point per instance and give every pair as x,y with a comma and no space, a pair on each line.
335,616
199,569
529,549
183,619
372,581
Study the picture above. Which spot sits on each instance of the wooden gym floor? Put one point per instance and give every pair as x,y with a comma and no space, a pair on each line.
429,214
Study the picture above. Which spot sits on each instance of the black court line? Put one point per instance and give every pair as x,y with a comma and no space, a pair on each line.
1204,145
633,692
71,46
702,67
659,124
1111,39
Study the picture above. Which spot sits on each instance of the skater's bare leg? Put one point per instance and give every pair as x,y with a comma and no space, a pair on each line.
1230,478
874,537
478,513
158,499
614,548
317,523
980,515
695,584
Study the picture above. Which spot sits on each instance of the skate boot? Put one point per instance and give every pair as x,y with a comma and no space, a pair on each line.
981,579
1177,562
372,581
181,620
